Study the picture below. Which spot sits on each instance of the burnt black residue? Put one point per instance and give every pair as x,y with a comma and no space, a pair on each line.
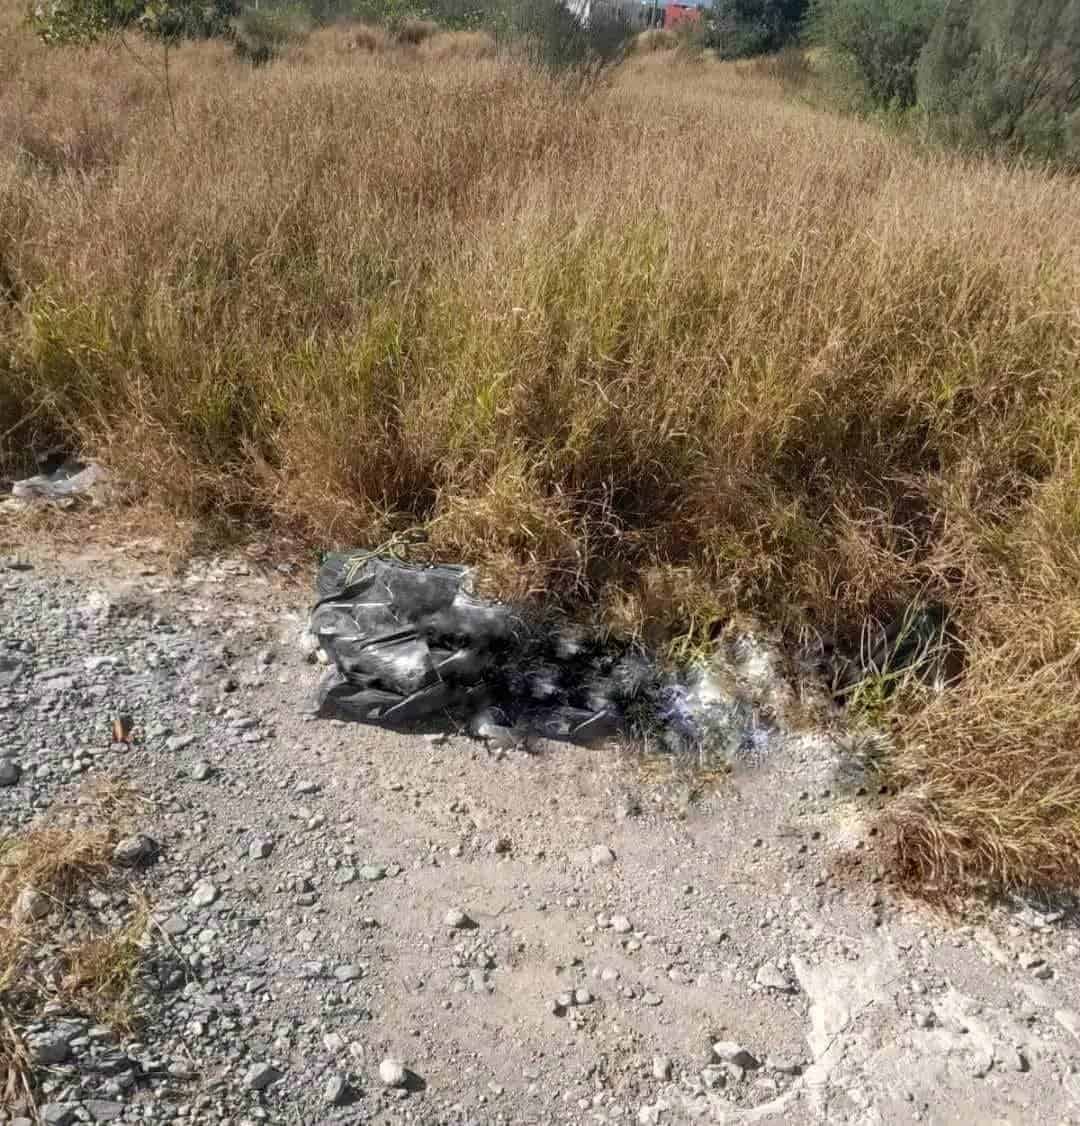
408,641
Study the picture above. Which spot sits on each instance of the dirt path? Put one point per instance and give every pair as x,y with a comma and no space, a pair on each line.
640,945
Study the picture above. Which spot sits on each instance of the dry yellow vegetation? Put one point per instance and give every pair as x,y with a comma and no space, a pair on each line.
673,345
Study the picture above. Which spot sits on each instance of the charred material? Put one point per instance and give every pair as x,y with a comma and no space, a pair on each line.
409,641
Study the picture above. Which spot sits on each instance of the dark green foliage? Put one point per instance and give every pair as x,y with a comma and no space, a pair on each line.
1005,75
261,33
83,21
738,28
556,38
878,43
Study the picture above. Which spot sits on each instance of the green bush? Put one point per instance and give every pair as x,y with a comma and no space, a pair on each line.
738,28
82,21
878,44
262,33
1005,75
555,38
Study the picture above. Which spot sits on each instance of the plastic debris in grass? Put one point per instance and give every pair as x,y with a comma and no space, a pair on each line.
63,485
406,642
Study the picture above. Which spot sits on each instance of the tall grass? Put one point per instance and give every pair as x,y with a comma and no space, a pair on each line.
671,347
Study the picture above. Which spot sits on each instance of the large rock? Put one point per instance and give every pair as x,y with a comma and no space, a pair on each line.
135,851
393,1073
730,1052
260,1076
30,905
46,1048
771,977
601,856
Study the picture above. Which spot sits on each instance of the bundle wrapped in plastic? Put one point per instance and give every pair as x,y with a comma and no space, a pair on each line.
406,642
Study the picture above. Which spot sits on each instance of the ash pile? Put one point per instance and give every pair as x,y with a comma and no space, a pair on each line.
406,643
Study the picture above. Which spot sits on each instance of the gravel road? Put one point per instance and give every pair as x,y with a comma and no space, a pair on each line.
355,925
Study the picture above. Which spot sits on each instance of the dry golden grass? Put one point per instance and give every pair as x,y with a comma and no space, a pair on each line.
655,39
61,857
672,346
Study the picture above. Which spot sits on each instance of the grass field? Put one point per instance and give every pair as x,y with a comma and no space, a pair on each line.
672,346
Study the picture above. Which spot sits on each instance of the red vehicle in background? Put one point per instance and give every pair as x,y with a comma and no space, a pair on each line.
670,15
676,14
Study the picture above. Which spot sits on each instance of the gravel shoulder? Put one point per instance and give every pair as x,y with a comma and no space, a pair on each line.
357,925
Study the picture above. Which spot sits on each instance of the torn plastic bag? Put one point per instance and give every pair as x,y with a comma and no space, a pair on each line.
410,590
337,694
402,659
408,642
70,479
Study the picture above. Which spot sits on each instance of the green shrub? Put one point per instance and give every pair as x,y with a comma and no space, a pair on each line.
1005,74
738,28
83,21
555,38
877,44
413,31
261,33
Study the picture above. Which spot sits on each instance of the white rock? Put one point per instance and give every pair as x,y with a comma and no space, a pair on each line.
135,850
393,1073
730,1052
204,894
601,856
770,976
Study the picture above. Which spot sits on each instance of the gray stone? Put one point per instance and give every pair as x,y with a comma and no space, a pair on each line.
201,771
175,926
260,1076
104,1110
348,972
457,920
260,848
57,1114
336,1092
582,997
652,999
661,1068
30,905
1069,1020
135,851
372,872
620,924
51,1047
393,1073
307,787
179,742
770,976
10,772
204,894
730,1052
